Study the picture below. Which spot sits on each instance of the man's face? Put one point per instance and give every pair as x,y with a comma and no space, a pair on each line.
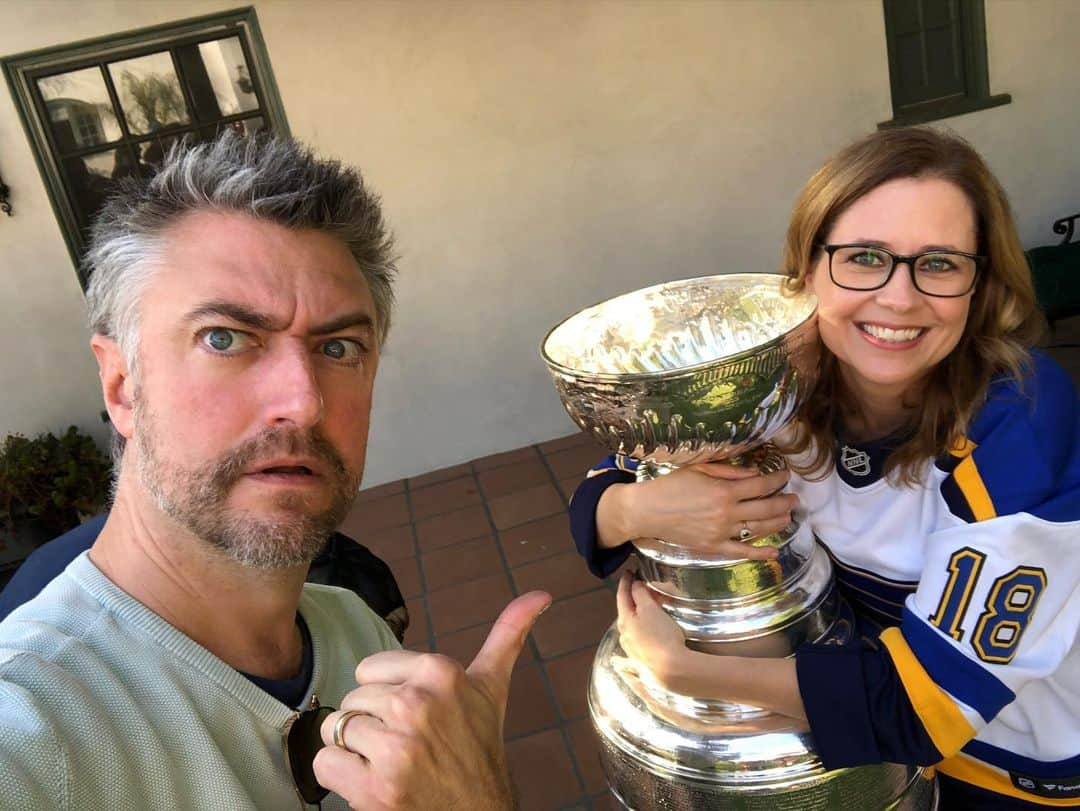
256,364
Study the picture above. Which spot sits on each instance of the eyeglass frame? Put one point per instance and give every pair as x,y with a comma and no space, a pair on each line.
909,260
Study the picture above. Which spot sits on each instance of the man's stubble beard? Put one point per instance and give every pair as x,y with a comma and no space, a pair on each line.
196,498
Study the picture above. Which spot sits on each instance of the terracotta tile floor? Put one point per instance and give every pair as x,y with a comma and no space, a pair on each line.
462,542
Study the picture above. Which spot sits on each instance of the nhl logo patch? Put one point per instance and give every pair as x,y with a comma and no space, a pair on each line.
855,462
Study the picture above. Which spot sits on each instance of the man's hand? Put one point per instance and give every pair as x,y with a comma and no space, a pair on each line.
431,733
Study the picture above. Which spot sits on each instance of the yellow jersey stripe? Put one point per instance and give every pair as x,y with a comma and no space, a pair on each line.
601,471
962,767
971,485
962,447
943,720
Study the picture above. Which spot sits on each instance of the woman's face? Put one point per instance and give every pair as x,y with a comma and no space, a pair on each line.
888,339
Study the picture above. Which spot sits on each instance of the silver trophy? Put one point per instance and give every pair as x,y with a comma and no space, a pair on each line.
683,372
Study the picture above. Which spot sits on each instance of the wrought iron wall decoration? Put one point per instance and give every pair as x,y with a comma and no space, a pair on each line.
5,204
1065,226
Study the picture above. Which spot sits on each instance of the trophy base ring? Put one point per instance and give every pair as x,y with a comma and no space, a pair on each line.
884,787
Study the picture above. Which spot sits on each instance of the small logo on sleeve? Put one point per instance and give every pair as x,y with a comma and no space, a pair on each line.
1054,788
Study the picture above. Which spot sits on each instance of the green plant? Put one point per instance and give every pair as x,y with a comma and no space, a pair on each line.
51,480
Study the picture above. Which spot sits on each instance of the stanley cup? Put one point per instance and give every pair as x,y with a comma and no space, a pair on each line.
700,370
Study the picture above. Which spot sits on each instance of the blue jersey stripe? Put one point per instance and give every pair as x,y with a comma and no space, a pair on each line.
908,585
882,591
956,500
882,596
884,613
1010,761
954,672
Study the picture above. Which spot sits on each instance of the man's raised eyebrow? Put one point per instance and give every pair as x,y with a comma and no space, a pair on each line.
357,319
234,312
256,320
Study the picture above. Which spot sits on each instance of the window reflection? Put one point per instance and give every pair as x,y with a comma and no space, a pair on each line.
152,153
91,176
150,93
248,126
245,126
80,111
227,71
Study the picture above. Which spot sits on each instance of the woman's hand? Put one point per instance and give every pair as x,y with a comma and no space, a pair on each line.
646,632
704,506
653,640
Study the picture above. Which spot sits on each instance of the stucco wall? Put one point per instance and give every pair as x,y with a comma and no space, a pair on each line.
534,158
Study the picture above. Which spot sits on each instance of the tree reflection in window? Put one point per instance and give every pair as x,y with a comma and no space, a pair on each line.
99,112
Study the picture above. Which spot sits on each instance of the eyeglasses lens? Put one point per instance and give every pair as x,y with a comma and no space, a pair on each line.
865,267
301,746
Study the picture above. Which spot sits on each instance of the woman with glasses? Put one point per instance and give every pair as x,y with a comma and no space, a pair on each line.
938,461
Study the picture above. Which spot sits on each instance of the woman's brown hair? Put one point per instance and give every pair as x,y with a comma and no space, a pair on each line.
1003,321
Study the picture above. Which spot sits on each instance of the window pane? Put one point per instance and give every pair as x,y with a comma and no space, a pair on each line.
943,62
229,77
149,93
245,126
152,152
904,15
912,79
937,14
91,176
248,126
79,109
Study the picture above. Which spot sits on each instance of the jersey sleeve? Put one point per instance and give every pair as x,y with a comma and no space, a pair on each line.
1022,452
998,601
857,707
998,606
611,470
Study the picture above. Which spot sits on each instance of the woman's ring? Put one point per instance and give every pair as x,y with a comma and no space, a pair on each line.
745,533
339,727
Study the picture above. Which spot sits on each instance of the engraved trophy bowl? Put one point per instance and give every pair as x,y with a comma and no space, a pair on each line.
706,369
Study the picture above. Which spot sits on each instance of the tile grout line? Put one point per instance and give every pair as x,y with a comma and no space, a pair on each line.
554,479
541,668
498,536
563,722
585,797
420,567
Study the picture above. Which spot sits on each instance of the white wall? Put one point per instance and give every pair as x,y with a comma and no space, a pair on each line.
534,158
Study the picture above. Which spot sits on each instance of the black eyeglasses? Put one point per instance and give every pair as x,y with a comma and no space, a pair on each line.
944,274
302,743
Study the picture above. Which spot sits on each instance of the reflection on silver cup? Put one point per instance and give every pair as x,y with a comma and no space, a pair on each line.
683,372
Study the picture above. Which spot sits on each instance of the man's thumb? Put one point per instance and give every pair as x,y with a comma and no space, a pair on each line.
495,661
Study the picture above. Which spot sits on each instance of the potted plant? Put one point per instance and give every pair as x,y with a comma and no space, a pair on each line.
48,484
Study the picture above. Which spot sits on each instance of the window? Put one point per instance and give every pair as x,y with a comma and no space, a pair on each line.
937,60
99,111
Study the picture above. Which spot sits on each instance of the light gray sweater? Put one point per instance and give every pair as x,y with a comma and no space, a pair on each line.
105,706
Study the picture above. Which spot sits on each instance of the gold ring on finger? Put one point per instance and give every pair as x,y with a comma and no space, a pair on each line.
339,727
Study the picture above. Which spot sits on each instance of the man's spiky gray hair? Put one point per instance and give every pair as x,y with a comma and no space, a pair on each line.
274,179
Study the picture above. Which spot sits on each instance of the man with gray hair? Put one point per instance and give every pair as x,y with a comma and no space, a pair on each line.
238,303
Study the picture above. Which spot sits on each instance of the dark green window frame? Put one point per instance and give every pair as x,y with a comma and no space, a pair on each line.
24,70
929,90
